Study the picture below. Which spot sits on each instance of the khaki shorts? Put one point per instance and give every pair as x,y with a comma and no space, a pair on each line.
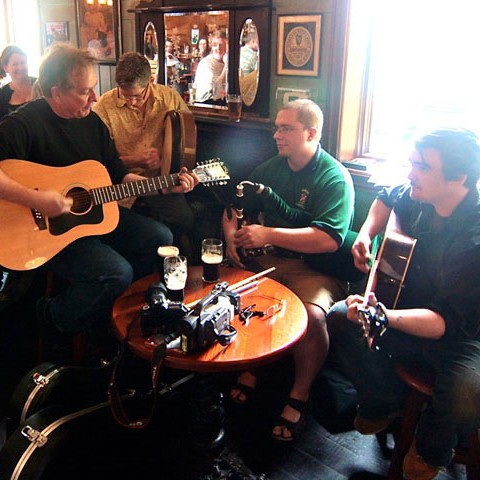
309,285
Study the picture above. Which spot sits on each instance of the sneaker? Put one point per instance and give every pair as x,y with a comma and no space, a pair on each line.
415,468
367,426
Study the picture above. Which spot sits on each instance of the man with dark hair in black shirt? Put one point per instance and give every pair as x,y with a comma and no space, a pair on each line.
437,319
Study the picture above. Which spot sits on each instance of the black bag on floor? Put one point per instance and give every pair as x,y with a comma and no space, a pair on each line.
59,443
50,383
69,441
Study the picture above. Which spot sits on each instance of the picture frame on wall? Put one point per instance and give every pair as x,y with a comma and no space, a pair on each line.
98,28
56,32
299,38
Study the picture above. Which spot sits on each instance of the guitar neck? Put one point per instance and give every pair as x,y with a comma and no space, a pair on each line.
120,191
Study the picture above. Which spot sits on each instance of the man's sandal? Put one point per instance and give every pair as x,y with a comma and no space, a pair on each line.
295,428
242,393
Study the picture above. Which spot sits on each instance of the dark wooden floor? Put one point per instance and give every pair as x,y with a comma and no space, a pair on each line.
317,455
321,455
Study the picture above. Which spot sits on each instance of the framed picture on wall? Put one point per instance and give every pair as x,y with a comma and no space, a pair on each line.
56,32
299,45
98,28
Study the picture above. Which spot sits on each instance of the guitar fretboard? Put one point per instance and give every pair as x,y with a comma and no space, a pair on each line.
120,191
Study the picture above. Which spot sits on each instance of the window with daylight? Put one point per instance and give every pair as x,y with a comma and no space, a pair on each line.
20,25
412,65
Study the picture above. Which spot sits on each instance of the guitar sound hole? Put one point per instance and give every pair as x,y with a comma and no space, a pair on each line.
82,201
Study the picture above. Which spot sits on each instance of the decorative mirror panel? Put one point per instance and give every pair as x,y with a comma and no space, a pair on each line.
196,55
248,69
185,35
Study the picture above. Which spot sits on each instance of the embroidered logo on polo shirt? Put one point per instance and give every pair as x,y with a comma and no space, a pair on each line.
304,194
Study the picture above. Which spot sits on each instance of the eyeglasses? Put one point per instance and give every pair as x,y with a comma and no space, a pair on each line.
133,98
248,312
284,129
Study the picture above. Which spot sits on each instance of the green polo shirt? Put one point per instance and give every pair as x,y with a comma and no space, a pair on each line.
323,188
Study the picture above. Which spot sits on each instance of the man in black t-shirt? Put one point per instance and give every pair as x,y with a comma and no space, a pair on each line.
60,130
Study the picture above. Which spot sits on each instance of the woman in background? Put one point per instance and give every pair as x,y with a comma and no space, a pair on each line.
13,61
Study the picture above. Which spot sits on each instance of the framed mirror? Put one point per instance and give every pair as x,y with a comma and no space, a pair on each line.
196,55
185,35
150,42
248,68
150,47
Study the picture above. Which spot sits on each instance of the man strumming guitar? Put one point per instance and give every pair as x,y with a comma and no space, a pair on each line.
437,318
60,130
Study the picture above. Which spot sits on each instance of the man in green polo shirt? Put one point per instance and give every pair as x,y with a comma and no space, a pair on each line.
320,189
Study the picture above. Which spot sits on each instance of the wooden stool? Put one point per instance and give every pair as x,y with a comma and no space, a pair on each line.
421,379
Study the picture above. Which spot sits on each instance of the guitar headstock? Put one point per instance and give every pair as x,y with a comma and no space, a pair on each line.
374,323
212,172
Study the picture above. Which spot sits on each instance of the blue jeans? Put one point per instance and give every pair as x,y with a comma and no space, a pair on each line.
99,269
454,410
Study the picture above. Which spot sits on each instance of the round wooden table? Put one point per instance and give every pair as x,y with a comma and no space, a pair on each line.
260,341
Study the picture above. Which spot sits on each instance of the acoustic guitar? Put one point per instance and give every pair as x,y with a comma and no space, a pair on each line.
386,278
29,239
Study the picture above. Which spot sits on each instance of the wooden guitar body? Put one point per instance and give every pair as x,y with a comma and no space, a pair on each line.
389,270
28,238
386,280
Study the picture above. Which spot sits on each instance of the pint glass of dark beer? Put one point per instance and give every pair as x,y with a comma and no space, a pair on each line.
212,256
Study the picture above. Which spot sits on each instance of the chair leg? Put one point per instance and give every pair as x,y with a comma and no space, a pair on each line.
412,411
471,456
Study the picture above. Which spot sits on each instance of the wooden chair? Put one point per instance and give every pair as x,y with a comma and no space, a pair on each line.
420,379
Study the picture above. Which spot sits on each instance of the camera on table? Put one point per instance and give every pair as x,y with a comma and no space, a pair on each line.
159,315
207,323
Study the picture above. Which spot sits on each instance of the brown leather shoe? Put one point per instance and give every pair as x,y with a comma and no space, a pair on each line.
366,426
415,468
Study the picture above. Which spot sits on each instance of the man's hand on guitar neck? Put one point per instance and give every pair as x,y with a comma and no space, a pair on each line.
419,322
188,181
357,304
370,313
354,304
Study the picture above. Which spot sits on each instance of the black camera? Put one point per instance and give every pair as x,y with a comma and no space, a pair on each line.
159,315
208,322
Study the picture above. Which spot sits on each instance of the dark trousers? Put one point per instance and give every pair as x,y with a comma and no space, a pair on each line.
172,209
99,269
455,407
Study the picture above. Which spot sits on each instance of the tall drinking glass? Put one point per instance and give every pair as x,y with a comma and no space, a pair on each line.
212,256
234,104
175,275
163,252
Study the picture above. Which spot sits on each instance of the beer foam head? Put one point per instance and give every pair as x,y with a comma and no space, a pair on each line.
167,251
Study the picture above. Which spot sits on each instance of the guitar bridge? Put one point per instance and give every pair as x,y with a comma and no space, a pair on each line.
39,219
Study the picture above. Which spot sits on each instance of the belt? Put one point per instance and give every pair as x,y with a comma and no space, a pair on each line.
284,253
